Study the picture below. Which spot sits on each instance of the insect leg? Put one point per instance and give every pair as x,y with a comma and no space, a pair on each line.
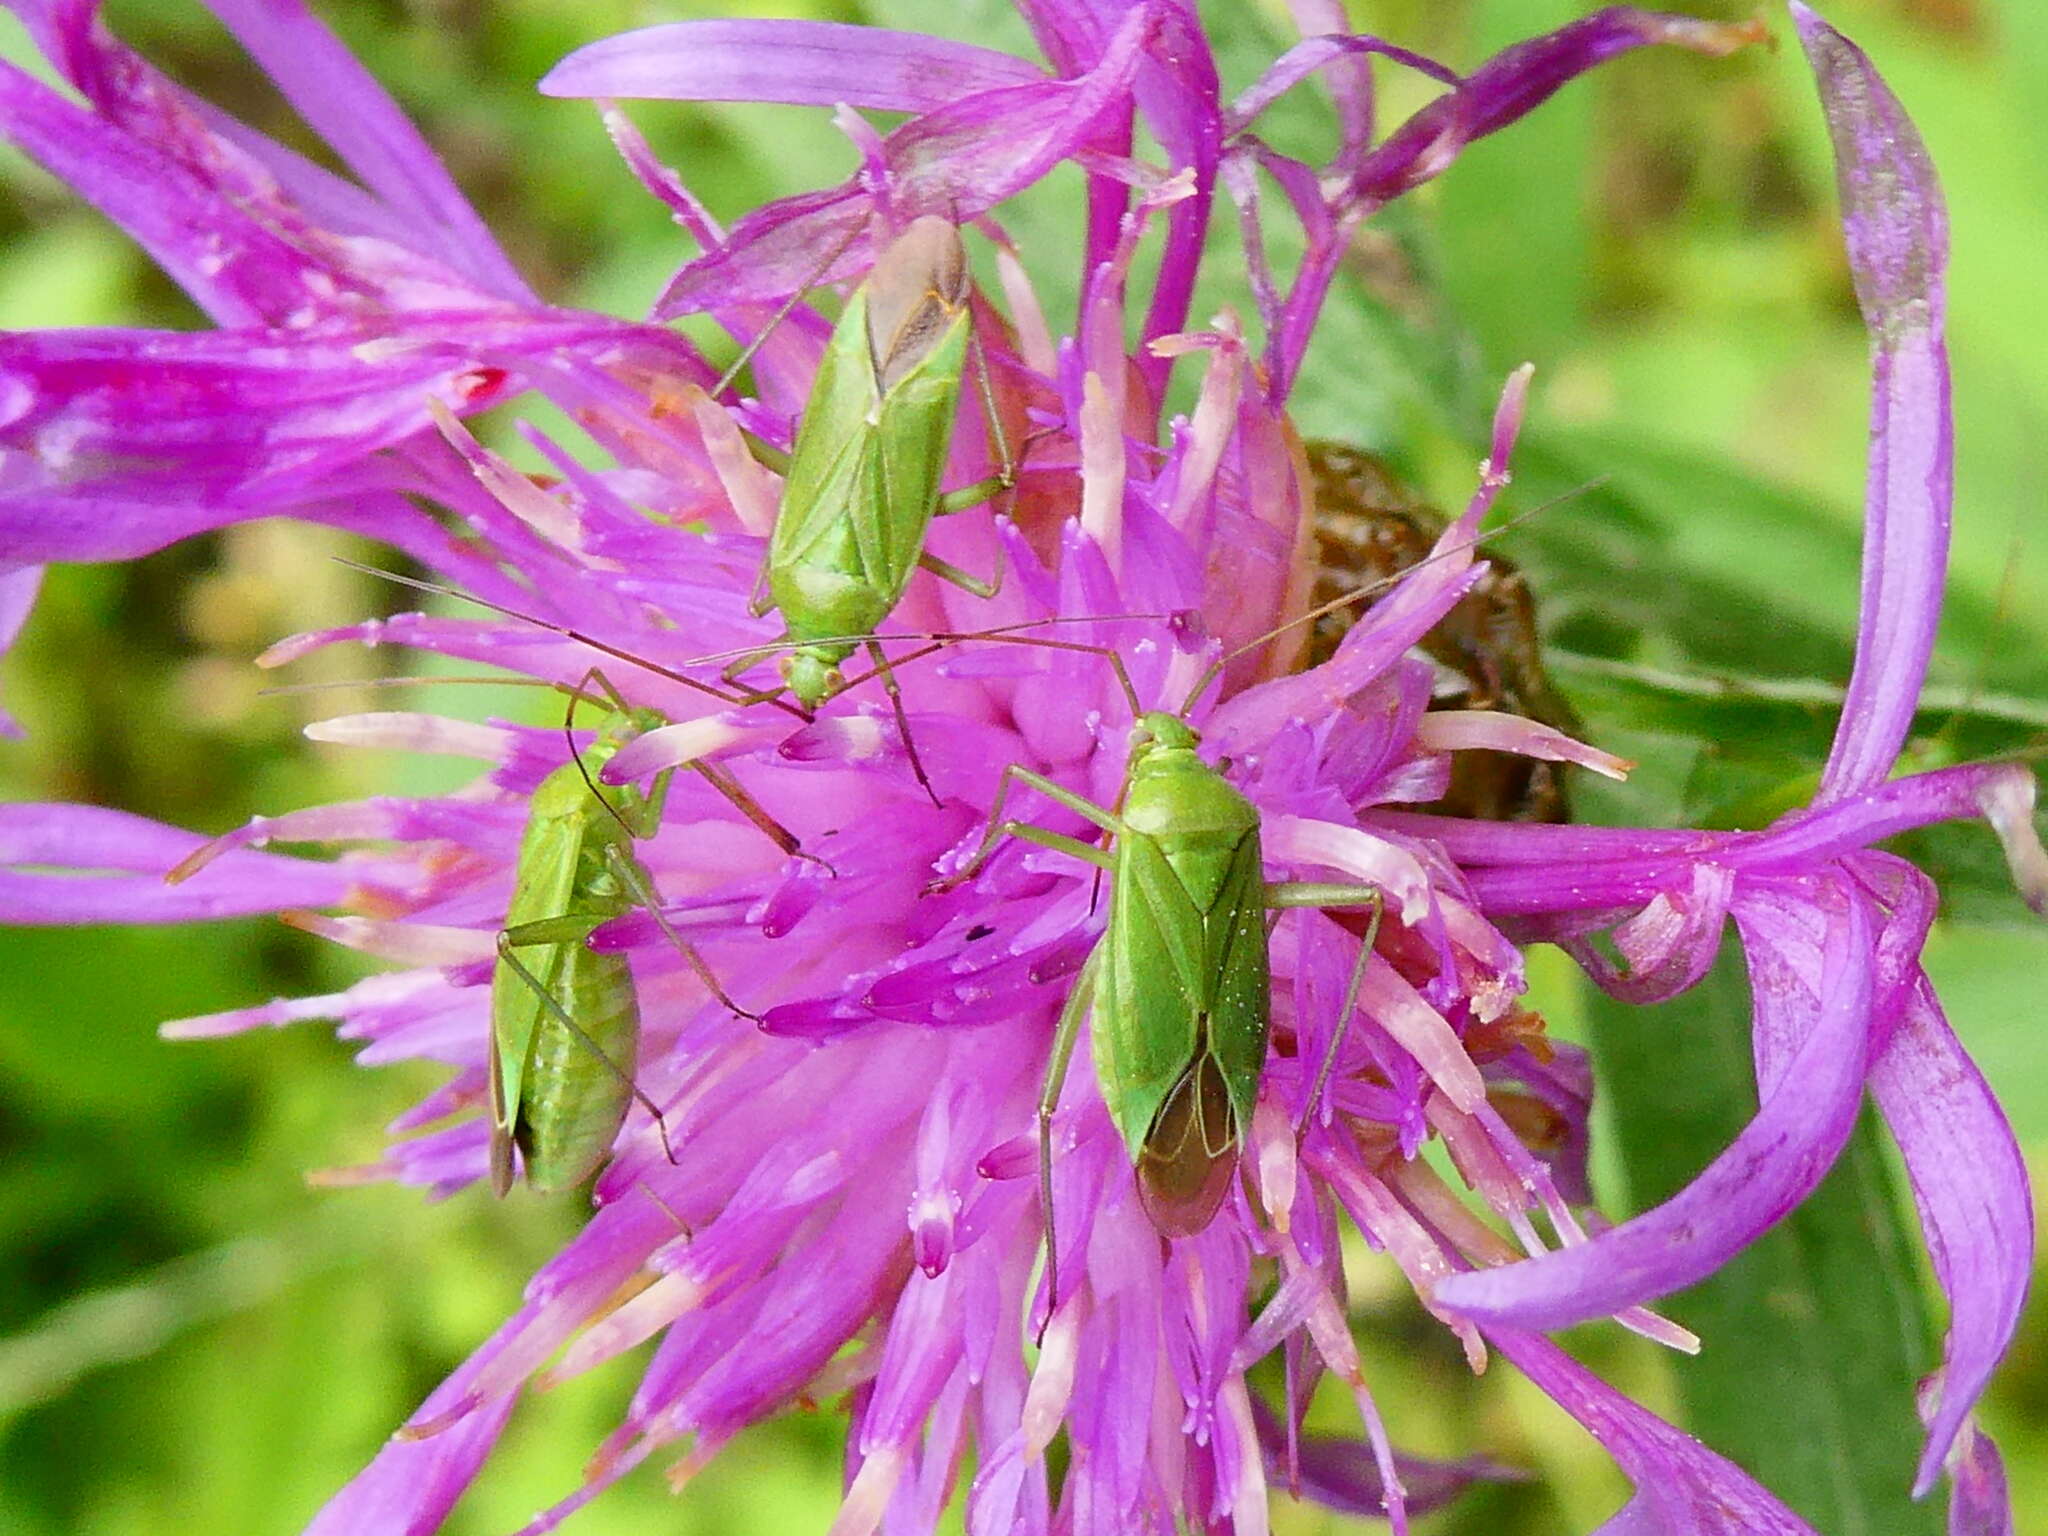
741,662
967,581
1289,894
984,490
1004,479
635,879
998,829
565,930
888,675
1064,1037
721,778
1319,893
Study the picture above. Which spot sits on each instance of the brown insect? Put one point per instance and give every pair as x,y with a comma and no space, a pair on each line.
1368,527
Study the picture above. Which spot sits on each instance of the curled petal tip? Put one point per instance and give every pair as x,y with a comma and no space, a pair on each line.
2008,803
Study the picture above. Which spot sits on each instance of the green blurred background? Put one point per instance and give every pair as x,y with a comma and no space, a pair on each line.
193,1339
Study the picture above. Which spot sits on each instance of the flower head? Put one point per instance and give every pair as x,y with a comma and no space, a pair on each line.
846,1016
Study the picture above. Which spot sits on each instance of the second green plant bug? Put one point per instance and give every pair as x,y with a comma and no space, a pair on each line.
565,1020
1179,981
863,484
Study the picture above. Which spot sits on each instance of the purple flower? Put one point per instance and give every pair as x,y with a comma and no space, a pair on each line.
342,307
851,1210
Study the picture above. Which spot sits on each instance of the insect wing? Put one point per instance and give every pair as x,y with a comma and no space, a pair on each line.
1241,1000
575,1102
1148,1008
544,886
836,424
914,432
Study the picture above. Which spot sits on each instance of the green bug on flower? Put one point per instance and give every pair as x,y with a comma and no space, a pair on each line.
565,1019
1179,983
863,484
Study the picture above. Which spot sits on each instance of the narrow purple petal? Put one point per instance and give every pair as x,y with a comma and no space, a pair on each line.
1621,868
1516,81
1682,1488
1348,80
1327,52
1970,1187
1897,232
1773,1165
806,63
1343,1474
1501,91
1180,96
956,162
238,273
134,97
68,842
1500,844
342,103
1073,33
129,440
412,1484
1669,945
1980,1504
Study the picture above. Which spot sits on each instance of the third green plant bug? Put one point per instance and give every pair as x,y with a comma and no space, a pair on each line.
1178,982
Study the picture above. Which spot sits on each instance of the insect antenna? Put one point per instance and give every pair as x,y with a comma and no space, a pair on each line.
431,680
787,308
1013,634
567,632
618,704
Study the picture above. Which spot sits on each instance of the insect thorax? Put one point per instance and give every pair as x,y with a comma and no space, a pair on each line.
1174,795
568,790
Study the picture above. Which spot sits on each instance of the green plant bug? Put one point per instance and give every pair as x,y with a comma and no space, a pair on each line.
862,486
1178,983
565,1020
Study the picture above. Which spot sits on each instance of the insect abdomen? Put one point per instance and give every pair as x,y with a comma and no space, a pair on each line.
574,1103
